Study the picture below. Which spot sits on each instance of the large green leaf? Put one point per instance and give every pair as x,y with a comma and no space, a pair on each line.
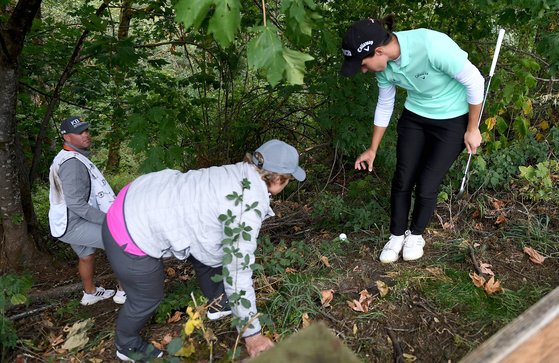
226,21
264,49
295,65
192,12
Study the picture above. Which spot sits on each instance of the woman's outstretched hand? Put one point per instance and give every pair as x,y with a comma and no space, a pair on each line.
365,160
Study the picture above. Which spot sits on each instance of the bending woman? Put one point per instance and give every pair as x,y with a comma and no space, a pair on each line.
440,117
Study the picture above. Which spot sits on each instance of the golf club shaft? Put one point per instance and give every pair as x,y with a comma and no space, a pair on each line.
491,72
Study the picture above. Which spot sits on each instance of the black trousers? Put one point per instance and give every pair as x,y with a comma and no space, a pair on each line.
425,150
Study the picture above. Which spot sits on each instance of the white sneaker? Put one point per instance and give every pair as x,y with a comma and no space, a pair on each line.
413,247
218,314
391,251
100,294
120,297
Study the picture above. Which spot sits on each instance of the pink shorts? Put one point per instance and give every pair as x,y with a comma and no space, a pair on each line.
117,225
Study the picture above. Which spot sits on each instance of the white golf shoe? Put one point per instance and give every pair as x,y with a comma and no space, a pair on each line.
391,251
413,247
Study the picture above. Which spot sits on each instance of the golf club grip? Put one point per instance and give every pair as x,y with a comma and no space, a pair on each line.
497,50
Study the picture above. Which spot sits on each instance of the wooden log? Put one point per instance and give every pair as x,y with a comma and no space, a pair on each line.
532,337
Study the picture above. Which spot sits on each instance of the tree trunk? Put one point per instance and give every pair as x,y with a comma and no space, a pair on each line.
117,132
16,245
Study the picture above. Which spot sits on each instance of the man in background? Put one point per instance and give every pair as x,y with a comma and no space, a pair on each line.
79,199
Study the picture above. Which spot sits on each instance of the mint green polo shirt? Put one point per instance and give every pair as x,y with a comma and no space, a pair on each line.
428,62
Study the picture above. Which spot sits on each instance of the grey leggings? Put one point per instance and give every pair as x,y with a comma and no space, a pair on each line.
142,279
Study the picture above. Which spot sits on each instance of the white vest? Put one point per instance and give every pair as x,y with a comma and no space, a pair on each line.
101,195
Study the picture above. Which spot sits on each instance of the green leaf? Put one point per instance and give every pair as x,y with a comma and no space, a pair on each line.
246,236
521,125
227,259
264,48
18,299
295,68
217,278
174,346
501,125
245,303
226,21
192,12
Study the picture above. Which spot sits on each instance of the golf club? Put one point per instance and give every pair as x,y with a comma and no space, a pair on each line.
493,65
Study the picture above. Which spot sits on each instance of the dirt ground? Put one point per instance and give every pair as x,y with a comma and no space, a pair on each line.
423,330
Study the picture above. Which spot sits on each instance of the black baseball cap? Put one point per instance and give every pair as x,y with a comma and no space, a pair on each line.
360,41
73,125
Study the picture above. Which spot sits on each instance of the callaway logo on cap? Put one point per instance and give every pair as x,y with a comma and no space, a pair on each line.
359,41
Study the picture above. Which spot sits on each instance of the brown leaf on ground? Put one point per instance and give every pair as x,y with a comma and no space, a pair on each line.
500,219
168,338
157,345
382,288
535,257
327,297
493,286
170,271
476,214
486,268
435,271
477,280
176,317
325,261
290,270
447,225
357,306
498,204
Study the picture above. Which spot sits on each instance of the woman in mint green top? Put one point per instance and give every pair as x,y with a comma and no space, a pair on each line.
440,117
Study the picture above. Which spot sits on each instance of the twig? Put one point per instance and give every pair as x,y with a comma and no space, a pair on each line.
31,312
398,352
474,261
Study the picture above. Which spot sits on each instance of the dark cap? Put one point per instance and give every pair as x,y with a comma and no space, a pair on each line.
73,125
359,41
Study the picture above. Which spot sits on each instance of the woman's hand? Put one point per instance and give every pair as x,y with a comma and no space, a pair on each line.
365,160
472,139
258,343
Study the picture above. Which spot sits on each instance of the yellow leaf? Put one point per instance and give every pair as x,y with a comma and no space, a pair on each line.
477,280
306,320
527,106
535,257
325,261
491,122
354,329
493,286
327,297
408,358
382,288
186,351
544,125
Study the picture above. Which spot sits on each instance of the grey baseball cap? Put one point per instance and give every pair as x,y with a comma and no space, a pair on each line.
279,157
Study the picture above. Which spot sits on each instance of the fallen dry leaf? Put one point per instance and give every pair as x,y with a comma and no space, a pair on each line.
354,329
535,257
498,204
170,271
435,271
357,306
447,225
157,345
176,317
500,219
477,280
409,358
476,245
306,320
290,270
493,286
486,268
325,261
327,297
168,338
184,277
54,341
382,288
364,295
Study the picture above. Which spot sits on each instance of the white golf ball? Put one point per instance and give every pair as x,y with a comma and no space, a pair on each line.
342,236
